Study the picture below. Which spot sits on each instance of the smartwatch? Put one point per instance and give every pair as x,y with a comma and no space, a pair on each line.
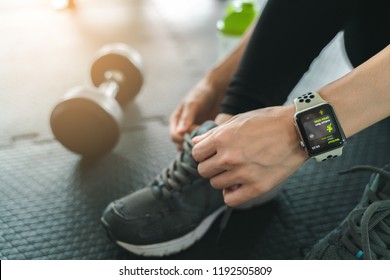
320,132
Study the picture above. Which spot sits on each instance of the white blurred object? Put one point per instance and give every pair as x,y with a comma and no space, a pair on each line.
62,4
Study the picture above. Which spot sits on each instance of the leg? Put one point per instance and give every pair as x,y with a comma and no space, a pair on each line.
287,38
368,31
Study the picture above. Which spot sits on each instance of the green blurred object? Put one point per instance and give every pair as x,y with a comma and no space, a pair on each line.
238,17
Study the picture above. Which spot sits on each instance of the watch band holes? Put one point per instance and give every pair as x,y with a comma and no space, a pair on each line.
330,157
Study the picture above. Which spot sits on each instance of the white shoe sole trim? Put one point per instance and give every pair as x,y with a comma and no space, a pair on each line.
175,245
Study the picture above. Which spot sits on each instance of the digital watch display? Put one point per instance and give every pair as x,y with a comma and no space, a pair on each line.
319,129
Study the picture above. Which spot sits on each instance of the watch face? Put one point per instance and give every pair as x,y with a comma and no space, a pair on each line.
320,129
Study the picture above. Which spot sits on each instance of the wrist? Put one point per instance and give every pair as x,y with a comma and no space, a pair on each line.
295,138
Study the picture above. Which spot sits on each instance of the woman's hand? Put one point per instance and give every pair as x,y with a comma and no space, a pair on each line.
201,103
250,154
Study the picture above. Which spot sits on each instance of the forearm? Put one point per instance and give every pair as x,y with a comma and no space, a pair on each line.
221,73
362,97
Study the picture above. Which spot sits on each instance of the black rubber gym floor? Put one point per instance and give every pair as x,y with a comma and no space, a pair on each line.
51,200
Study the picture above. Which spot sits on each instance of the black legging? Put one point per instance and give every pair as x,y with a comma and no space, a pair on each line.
290,34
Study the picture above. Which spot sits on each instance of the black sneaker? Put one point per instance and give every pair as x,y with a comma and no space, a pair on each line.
171,213
365,233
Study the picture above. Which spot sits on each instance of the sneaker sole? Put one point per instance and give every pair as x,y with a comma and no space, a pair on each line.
172,246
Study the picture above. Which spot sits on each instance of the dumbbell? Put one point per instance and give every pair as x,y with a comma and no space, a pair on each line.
88,119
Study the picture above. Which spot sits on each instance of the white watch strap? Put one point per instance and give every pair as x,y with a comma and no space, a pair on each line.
307,100
329,155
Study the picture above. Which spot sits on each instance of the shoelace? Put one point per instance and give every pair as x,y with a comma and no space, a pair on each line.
359,168
179,172
368,236
385,174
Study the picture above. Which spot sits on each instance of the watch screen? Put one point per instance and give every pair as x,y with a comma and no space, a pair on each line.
320,129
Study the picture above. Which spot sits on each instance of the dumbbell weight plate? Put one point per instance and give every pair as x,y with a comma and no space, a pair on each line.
87,122
123,59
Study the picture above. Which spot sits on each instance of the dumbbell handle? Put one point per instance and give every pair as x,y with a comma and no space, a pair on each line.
111,86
